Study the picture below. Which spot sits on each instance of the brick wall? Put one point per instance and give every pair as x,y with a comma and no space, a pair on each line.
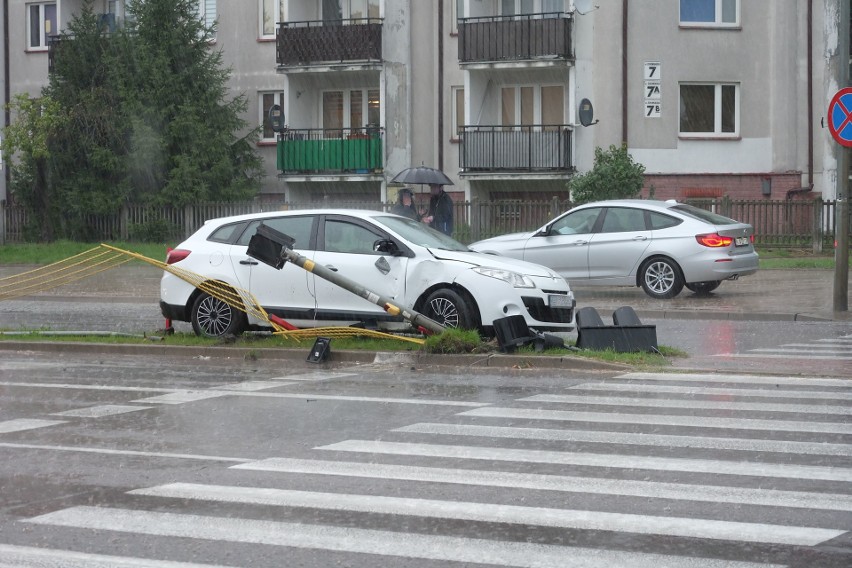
735,186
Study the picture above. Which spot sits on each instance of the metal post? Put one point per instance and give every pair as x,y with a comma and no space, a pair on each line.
841,225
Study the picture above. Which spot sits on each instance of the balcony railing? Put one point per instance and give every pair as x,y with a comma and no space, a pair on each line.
532,148
515,38
331,151
315,42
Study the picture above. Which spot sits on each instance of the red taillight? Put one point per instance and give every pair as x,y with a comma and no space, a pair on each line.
714,240
176,255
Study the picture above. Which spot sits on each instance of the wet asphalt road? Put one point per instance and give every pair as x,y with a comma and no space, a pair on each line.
126,460
216,462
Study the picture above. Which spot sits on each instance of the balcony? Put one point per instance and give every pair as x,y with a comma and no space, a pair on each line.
323,42
331,151
516,149
515,38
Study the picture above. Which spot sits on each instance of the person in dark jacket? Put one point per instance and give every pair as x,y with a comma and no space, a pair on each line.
440,214
405,204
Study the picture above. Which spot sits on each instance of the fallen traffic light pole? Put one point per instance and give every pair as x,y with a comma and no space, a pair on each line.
274,248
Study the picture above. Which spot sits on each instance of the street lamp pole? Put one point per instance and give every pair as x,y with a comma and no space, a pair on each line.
841,224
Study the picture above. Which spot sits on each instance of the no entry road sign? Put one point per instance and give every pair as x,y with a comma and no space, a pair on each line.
840,117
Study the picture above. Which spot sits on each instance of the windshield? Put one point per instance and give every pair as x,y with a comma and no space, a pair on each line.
417,233
704,215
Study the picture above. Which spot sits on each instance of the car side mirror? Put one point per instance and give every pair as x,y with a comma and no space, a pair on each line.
386,246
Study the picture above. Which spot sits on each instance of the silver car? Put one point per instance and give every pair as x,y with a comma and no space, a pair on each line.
661,246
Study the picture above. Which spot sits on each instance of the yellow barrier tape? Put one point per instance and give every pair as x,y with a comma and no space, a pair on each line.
105,257
66,271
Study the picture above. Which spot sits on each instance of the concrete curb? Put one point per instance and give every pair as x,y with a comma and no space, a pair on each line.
501,361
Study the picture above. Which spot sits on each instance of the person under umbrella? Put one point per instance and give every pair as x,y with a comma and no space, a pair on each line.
405,204
440,214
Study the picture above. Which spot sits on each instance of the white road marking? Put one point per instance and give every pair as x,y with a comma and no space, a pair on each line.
108,451
663,420
630,438
29,557
560,483
710,391
797,356
87,387
184,397
100,411
749,379
366,541
253,385
680,403
21,424
493,513
317,376
719,467
384,400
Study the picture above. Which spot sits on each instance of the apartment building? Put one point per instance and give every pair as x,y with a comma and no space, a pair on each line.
713,97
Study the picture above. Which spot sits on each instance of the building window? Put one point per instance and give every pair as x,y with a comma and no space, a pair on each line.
709,110
532,105
458,111
207,11
524,7
355,109
271,12
41,23
710,13
335,10
458,11
267,100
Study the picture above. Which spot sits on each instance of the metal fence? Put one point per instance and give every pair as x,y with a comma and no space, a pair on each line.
777,223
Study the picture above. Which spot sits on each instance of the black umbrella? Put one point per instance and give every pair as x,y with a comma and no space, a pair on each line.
422,174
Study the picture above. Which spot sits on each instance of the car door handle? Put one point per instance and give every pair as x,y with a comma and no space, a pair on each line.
640,238
248,262
578,243
331,267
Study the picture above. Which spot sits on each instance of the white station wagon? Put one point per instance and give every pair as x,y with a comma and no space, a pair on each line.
419,268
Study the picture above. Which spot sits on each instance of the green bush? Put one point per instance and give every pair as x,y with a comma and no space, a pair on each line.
614,176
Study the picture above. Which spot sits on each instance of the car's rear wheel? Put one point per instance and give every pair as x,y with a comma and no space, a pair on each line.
450,309
703,288
661,278
211,317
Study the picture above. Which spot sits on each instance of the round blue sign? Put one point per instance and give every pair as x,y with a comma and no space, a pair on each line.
840,117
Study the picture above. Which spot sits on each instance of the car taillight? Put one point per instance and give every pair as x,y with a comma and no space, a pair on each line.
714,240
176,255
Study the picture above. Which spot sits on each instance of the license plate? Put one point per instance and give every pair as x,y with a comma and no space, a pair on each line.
741,241
560,301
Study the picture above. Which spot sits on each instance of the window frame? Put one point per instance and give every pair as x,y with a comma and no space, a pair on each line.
44,36
207,12
717,110
366,103
456,126
717,19
280,7
277,99
536,101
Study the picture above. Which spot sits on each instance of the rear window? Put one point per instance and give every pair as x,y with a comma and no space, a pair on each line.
226,233
703,215
298,227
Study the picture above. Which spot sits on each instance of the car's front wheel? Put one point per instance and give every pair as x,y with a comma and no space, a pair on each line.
661,278
703,288
450,309
211,317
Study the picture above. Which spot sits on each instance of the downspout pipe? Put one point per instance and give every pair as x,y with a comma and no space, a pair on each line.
624,72
810,34
440,86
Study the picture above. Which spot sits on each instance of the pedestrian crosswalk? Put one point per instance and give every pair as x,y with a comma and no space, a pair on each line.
638,470
831,349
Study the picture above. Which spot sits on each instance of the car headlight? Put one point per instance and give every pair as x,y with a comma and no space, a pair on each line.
513,278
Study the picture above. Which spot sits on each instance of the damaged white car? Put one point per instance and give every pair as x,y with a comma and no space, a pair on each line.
419,268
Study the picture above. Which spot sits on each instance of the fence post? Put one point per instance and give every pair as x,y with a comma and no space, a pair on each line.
123,215
475,220
554,206
2,221
816,234
187,221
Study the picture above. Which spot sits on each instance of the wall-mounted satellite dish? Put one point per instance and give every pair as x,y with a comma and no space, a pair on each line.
587,113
